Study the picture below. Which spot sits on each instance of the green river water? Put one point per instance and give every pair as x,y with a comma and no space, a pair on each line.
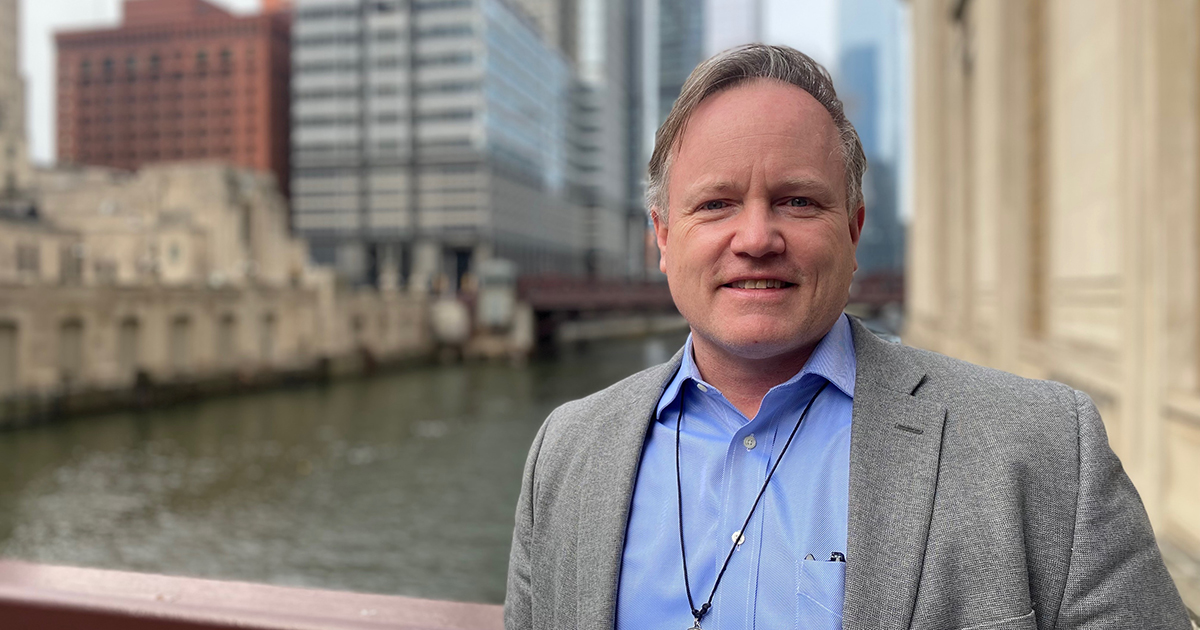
403,483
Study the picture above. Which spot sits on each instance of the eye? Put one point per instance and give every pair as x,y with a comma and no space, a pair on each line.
799,202
715,204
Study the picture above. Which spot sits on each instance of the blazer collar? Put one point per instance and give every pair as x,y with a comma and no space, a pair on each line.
895,445
614,453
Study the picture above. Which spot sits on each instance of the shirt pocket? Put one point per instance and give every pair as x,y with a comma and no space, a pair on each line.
820,593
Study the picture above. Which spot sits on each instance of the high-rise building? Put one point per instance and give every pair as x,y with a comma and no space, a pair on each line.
14,163
680,47
556,20
430,135
608,164
872,66
605,40
177,80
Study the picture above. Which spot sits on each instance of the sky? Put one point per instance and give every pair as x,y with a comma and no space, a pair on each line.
809,25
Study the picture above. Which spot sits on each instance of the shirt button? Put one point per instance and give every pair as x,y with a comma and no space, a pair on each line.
750,442
702,387
738,538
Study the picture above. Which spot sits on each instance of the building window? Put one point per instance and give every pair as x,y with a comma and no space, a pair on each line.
70,351
180,343
70,264
435,5
128,342
227,340
8,357
445,59
28,259
267,338
448,115
445,30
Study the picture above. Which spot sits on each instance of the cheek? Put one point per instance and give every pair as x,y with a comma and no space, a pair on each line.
829,245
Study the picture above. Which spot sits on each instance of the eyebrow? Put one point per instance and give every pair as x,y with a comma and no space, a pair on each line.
816,187
819,187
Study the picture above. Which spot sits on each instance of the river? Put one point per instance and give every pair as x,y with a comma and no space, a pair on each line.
403,483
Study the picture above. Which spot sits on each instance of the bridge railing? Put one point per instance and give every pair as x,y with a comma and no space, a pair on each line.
65,598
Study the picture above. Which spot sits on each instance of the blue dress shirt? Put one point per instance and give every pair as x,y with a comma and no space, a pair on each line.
724,459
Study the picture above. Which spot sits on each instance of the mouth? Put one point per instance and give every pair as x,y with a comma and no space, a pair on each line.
758,283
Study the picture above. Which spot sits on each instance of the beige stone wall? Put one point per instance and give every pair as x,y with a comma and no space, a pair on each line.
31,252
1056,230
193,223
63,337
181,272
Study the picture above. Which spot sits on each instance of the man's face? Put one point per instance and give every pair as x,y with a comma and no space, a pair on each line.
758,245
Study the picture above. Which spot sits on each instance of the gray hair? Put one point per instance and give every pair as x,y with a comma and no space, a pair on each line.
735,67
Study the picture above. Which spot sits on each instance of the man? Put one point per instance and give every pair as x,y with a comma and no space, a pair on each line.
787,469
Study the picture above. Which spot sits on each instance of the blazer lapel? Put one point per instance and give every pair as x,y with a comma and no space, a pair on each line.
895,445
614,453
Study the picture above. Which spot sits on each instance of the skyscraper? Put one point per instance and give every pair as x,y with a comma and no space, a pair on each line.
630,57
681,25
872,67
14,161
427,136
605,132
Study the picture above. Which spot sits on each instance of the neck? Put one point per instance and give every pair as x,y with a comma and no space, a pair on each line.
744,382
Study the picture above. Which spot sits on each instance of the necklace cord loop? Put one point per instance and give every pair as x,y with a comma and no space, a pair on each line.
703,610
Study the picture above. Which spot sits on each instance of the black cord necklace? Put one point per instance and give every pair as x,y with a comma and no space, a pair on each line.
699,613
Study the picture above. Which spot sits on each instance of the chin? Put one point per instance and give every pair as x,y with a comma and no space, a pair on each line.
765,346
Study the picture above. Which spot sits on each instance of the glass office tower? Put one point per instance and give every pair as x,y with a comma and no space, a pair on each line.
428,135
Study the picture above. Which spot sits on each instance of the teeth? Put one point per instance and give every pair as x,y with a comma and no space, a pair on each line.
757,284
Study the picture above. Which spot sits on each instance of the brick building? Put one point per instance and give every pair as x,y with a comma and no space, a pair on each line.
177,80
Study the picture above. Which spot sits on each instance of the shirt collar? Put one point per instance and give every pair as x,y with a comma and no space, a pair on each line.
833,359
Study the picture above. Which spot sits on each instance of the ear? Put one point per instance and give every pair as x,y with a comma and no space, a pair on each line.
856,226
660,235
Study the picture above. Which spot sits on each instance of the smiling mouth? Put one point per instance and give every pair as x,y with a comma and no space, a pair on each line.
759,284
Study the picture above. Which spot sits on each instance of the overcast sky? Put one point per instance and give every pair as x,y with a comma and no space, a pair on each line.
809,25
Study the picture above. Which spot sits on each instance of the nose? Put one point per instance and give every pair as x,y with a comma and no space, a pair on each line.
757,232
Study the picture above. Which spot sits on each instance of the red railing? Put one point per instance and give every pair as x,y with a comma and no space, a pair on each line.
63,598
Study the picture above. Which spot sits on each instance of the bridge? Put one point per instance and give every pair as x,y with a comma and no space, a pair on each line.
558,300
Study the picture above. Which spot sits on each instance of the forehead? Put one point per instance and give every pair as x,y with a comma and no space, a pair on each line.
762,124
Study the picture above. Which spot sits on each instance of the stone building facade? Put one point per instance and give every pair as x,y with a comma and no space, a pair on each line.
176,274
1056,225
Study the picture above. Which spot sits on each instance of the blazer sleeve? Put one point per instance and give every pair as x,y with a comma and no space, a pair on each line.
518,599
1116,578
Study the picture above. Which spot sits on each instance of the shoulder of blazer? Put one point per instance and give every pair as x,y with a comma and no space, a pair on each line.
624,405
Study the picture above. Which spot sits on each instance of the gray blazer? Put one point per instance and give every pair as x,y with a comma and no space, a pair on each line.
978,500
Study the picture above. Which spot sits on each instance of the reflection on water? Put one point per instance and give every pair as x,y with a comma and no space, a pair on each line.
404,483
